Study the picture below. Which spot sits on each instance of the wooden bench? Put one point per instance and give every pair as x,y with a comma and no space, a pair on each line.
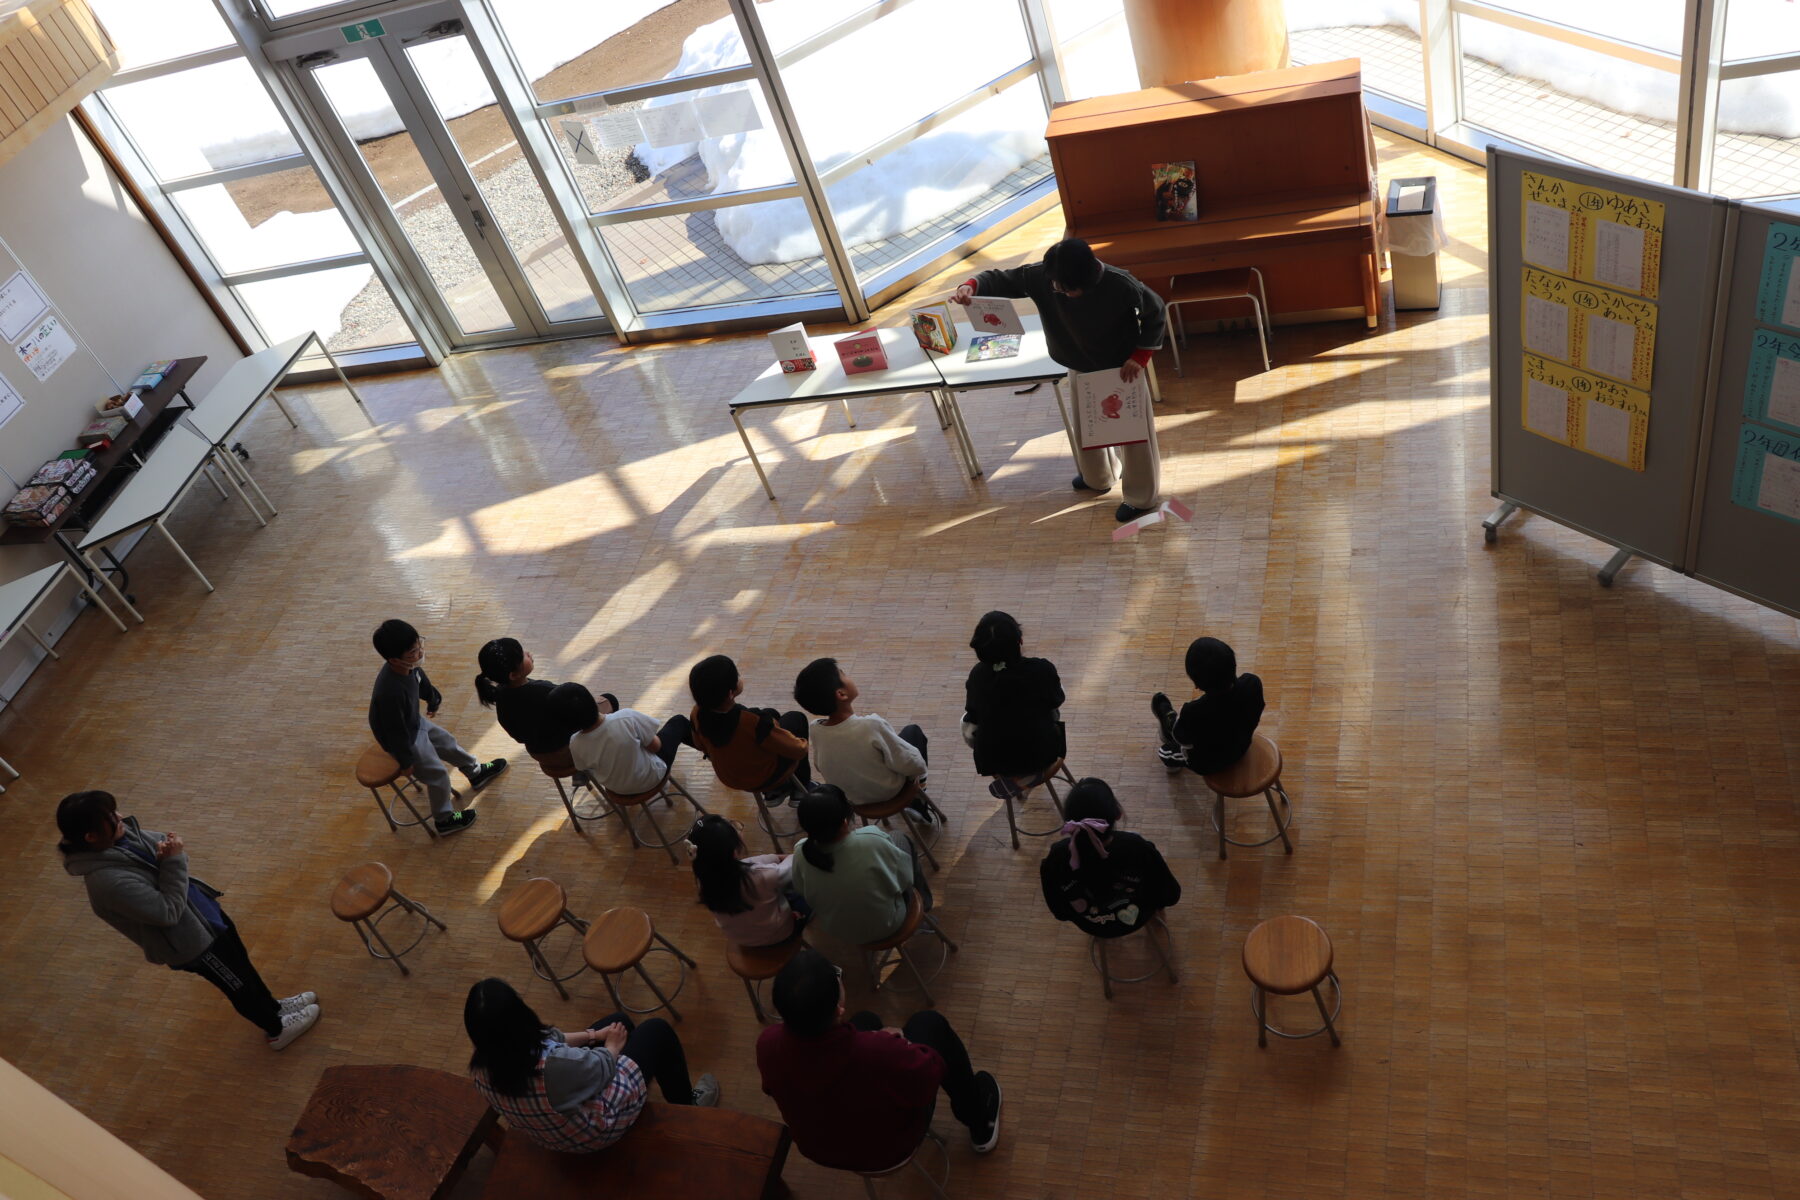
672,1150
391,1132
1284,170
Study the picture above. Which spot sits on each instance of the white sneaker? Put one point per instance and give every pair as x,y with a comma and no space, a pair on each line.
706,1091
293,1025
293,1004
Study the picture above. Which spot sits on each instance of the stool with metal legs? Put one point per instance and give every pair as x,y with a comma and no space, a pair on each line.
530,914
618,943
581,798
769,801
366,896
1021,789
1285,956
877,955
1257,773
1210,286
1164,956
901,806
668,788
9,769
378,769
912,1160
754,964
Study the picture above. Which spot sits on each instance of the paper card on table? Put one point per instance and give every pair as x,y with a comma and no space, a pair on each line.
21,304
1547,410
1621,438
1772,380
1778,295
46,347
1109,411
994,314
1606,237
1546,236
10,402
1768,472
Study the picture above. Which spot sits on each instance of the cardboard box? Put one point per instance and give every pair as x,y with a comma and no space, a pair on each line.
862,352
127,406
101,433
935,327
791,350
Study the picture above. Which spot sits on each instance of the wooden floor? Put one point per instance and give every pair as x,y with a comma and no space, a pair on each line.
1549,827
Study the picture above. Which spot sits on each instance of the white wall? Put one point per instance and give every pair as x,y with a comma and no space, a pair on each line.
74,227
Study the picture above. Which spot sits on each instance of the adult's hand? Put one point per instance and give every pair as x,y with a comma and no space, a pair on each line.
962,294
170,846
1131,370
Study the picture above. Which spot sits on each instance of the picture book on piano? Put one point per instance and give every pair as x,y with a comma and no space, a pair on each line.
1174,185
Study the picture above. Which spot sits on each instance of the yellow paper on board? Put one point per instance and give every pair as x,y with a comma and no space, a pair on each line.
1608,333
1602,416
1609,238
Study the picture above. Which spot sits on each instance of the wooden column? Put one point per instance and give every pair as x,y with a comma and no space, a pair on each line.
1178,40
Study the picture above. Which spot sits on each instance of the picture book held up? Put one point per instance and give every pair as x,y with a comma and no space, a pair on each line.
994,314
1175,191
1109,411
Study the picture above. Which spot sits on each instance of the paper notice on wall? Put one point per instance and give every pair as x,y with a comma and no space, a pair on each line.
1768,472
1609,347
1109,411
21,304
725,113
1601,416
46,347
1772,380
670,124
1613,333
1547,326
1778,295
580,141
1605,236
10,402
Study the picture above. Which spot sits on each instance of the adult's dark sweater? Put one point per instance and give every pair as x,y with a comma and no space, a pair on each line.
1108,896
394,710
1216,728
1094,331
1013,709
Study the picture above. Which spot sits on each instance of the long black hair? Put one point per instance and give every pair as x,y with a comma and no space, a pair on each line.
498,660
998,639
710,681
823,811
722,875
508,1036
1091,799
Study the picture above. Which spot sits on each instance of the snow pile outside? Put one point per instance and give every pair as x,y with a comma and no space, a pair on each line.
1765,104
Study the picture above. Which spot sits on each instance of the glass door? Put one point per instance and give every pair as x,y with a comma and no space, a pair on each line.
413,115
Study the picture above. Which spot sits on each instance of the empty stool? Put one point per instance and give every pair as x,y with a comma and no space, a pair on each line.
365,896
1219,285
378,769
1258,772
753,964
592,806
528,916
937,1185
1285,956
666,791
1165,961
878,954
1021,789
902,807
770,801
618,942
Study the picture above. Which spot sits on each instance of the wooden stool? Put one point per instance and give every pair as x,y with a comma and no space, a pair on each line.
1097,952
528,916
378,769
560,765
1020,789
753,964
912,1160
399,1132
1259,771
618,942
1210,286
769,800
878,954
1285,956
664,791
366,891
902,807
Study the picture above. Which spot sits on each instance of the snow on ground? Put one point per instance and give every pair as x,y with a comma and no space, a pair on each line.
1767,104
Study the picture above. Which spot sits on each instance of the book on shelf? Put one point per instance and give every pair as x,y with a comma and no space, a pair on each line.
1175,189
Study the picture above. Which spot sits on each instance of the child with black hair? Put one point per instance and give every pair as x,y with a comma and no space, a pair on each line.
1108,882
746,893
855,878
1010,717
625,751
1213,731
417,741
521,702
859,752
751,749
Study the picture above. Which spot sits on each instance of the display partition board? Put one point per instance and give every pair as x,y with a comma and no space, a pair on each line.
1746,527
1630,354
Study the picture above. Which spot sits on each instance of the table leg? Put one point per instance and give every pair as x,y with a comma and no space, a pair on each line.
847,417
738,420
94,570
213,479
10,769
46,647
230,478
99,603
243,473
962,433
342,378
170,538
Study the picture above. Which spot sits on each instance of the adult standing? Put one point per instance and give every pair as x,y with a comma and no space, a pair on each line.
138,883
1096,317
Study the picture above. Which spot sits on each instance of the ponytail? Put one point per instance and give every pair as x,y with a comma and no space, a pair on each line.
498,660
823,811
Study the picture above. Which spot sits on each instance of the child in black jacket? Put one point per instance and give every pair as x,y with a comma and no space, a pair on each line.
1108,882
1213,731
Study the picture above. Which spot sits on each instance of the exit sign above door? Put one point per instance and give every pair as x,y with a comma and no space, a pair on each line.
362,31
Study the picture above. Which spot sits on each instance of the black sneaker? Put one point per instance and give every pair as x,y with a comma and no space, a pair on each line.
1082,485
1161,705
1172,760
1125,513
986,1139
455,822
486,773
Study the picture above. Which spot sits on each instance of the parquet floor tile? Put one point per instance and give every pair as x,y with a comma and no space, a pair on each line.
1549,827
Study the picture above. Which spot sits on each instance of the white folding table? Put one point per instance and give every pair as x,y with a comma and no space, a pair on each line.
1032,364
22,595
909,370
